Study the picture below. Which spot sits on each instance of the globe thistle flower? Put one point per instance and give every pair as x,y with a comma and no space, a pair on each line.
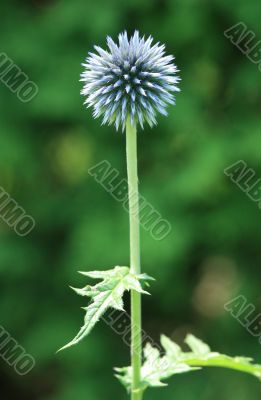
133,79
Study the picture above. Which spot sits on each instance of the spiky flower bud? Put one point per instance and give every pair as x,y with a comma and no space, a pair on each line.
133,79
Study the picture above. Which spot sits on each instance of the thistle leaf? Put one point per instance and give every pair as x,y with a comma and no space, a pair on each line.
158,367
198,347
108,293
171,348
145,277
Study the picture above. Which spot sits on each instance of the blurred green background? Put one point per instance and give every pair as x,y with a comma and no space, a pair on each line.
46,148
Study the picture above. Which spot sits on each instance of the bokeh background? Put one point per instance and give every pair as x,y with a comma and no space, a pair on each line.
46,148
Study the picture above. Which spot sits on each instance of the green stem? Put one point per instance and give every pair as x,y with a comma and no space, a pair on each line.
131,150
227,362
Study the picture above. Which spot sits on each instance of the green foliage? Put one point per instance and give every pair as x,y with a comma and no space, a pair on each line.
106,294
157,368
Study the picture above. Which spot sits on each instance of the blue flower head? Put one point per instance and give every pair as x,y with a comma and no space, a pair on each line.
132,79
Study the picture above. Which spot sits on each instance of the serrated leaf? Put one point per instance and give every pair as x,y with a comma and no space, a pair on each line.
197,346
105,274
158,367
134,283
155,368
104,295
145,277
83,292
171,348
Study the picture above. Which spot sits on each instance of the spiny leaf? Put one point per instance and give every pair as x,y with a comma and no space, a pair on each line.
171,348
157,368
145,277
198,347
105,294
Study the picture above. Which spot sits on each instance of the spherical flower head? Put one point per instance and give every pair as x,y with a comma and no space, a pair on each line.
132,79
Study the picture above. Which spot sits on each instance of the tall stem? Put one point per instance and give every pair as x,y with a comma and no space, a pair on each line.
131,150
